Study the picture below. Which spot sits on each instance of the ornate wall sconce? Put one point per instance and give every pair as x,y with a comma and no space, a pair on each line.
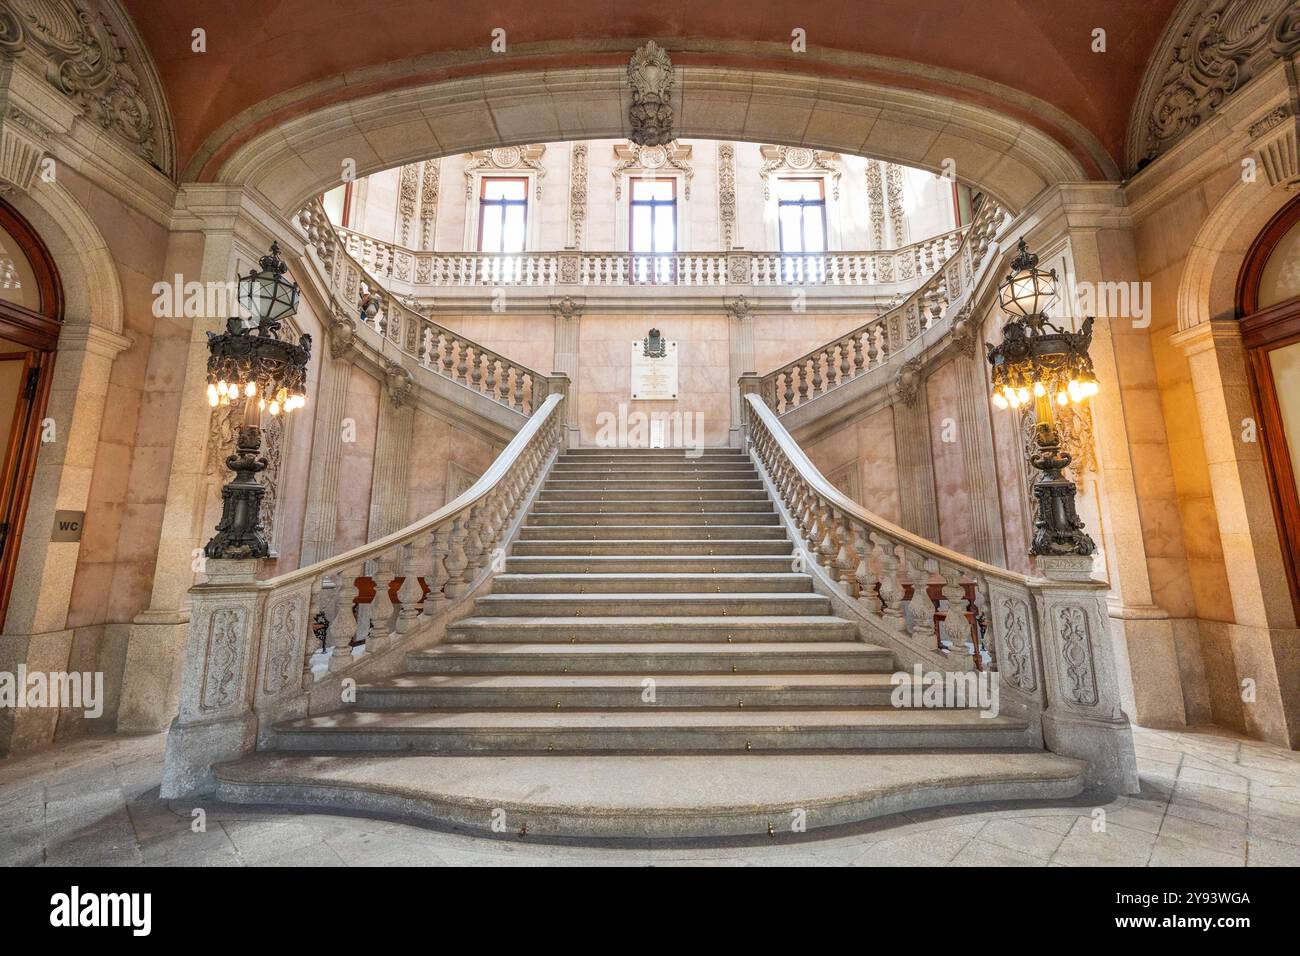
1041,362
250,362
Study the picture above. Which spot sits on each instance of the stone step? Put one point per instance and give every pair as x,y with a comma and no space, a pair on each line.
650,583
746,657
631,691
646,731
648,564
681,628
708,546
643,518
658,796
651,483
693,506
646,496
751,604
698,531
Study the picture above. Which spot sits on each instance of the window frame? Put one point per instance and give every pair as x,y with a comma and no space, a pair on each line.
504,204
803,204
654,204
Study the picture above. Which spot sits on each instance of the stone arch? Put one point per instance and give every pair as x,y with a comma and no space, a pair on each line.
1009,158
1207,290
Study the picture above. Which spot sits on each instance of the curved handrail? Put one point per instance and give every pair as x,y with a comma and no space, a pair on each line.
359,296
836,499
873,343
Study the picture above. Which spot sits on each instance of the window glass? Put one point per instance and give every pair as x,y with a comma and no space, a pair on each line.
17,278
503,215
653,218
1280,279
801,213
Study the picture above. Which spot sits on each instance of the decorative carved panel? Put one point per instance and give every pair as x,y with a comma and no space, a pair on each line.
1211,49
634,160
1079,669
577,196
221,675
89,53
459,480
518,158
798,159
727,194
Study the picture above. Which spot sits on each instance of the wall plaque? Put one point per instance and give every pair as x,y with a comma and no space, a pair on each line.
67,525
654,377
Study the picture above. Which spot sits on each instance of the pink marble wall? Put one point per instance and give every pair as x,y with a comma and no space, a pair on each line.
356,463
605,367
867,446
955,527
128,488
783,337
435,446
528,339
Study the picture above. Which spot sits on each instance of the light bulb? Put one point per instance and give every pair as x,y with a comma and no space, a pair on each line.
222,387
1039,391
275,408
1062,398
250,389
1023,395
213,395
1000,401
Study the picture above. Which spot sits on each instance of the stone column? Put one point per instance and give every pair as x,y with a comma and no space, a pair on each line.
232,236
388,488
975,432
917,508
568,320
321,515
35,630
1263,635
740,351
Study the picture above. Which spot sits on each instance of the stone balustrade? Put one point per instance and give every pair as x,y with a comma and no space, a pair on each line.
361,297
873,343
259,651
906,264
1046,639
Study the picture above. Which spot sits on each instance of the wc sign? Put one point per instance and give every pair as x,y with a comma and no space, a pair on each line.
67,525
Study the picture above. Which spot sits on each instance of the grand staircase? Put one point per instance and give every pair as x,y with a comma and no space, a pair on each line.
651,662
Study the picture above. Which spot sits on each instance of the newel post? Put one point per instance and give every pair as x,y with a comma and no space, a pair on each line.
749,384
216,721
559,383
1083,718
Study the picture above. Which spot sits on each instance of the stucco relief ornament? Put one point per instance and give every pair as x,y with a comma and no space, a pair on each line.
650,73
398,382
908,383
342,335
963,332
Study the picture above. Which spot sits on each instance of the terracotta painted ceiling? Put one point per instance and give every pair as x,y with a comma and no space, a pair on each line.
256,50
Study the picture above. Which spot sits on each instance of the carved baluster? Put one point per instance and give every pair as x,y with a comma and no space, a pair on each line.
437,579
891,589
518,400
956,628
343,628
788,394
410,595
846,559
476,371
858,361
381,606
319,609
868,592
803,382
456,561
985,653
503,384
921,608
462,361
825,538
845,368
817,379
474,540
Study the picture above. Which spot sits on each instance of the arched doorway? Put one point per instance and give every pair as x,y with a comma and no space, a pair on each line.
31,309
1268,307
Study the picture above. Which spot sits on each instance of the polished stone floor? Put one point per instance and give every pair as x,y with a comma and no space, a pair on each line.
1207,799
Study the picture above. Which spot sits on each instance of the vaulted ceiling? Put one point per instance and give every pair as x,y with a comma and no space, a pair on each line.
257,51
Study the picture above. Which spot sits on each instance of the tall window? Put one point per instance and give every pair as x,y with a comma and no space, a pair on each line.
653,227
502,214
801,210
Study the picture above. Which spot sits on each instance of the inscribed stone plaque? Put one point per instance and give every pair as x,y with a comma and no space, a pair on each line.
654,379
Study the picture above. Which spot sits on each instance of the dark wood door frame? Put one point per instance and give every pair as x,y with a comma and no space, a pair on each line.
38,331
1263,331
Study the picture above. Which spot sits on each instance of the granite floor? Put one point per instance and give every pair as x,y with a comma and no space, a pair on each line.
1207,799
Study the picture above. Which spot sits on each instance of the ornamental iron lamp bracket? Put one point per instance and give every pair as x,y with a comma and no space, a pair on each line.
1042,362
